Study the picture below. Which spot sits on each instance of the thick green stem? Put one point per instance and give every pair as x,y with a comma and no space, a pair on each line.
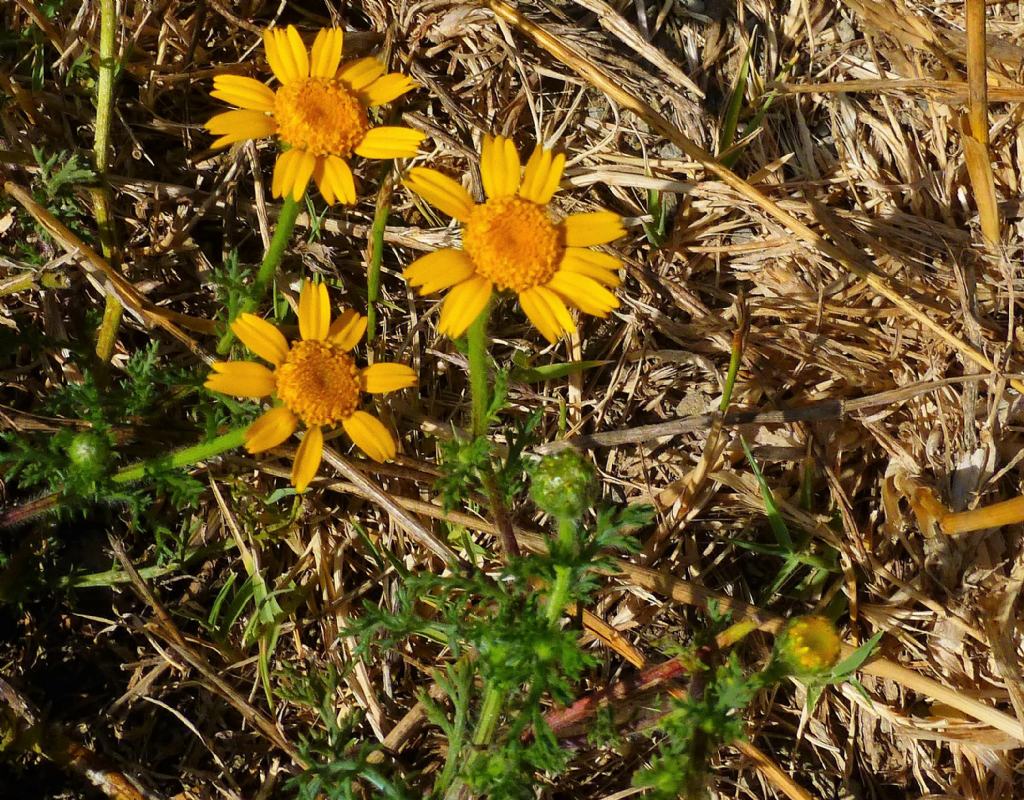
271,261
185,457
559,596
490,710
478,377
456,737
105,84
107,335
480,396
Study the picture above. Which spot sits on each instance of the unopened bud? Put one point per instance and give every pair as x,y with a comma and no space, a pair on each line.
563,485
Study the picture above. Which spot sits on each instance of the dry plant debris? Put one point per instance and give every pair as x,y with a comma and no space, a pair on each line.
791,404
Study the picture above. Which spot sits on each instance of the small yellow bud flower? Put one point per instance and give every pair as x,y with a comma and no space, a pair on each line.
809,645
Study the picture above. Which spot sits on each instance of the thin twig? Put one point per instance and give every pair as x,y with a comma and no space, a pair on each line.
822,411
168,631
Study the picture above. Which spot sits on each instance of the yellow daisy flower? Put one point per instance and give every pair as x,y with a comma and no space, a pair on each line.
510,242
315,379
319,111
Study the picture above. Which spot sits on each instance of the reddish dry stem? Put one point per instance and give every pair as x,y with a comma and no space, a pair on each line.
624,694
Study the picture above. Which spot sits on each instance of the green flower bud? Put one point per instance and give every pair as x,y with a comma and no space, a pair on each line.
809,646
89,452
564,485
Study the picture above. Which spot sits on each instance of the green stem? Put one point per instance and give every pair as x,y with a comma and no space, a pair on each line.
376,254
455,742
490,710
107,336
268,269
185,457
182,458
734,368
489,713
112,311
478,378
480,394
105,84
559,597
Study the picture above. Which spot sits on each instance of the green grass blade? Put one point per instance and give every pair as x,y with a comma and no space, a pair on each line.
731,120
775,520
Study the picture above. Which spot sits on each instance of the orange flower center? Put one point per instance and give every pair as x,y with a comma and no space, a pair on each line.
319,382
513,243
320,116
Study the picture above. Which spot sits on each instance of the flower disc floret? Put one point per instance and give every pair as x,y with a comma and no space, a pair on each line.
318,382
513,243
320,116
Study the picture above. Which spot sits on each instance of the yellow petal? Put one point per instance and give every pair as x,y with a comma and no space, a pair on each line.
563,319
292,172
539,314
439,270
370,435
602,267
326,53
298,51
387,88
237,126
240,379
463,305
499,167
597,227
543,172
384,377
273,57
261,337
314,311
304,166
584,293
348,329
335,180
390,141
441,192
307,460
359,74
547,312
243,92
280,55
270,430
